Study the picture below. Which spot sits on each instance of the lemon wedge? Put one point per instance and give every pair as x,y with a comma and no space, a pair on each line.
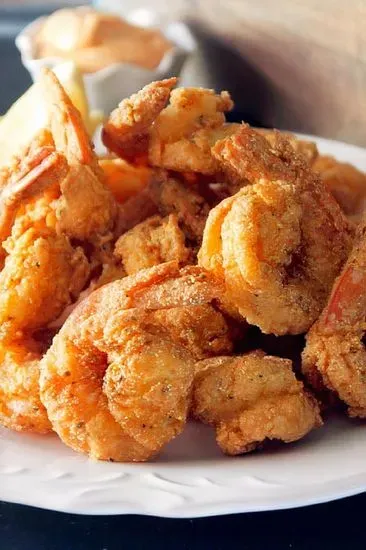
28,114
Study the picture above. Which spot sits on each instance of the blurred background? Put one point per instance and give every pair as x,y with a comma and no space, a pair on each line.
292,64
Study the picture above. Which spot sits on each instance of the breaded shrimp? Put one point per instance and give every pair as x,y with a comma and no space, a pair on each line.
183,134
178,137
173,197
46,166
278,243
250,399
164,196
42,274
45,204
135,210
117,379
20,404
301,146
126,132
152,242
346,183
86,206
27,157
335,355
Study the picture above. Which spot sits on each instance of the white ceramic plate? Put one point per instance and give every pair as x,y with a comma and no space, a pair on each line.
191,478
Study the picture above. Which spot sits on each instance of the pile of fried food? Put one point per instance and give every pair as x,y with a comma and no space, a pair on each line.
141,288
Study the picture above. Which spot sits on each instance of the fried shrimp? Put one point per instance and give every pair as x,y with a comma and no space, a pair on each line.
173,197
27,158
86,206
335,355
346,183
178,136
182,136
20,404
307,149
156,240
51,198
126,132
278,243
250,399
42,274
117,379
45,167
165,196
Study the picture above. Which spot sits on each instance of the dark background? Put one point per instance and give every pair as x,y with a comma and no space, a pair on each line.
337,525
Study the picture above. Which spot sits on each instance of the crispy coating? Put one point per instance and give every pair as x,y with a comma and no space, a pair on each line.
183,134
47,197
152,242
67,128
278,243
126,132
135,210
86,206
192,153
123,179
42,274
301,146
176,137
117,379
46,167
247,156
335,355
165,196
346,183
173,197
111,271
20,404
189,110
149,390
250,399
26,158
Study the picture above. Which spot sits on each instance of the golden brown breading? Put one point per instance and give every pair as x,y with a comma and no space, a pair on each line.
117,379
86,206
46,168
42,274
184,132
173,197
126,132
20,404
346,183
178,137
306,148
152,242
45,269
166,196
335,355
250,399
278,243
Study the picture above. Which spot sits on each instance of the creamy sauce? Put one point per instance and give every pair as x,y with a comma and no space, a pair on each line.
94,40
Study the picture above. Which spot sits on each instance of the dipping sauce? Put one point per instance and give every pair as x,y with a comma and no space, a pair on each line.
94,40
